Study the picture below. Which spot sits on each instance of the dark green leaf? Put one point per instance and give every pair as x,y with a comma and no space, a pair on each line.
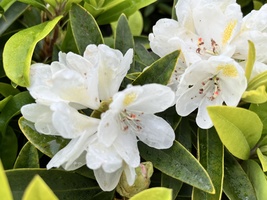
36,3
178,163
236,184
66,185
7,89
84,28
49,145
261,111
68,43
143,55
104,196
172,183
160,71
211,156
28,157
123,38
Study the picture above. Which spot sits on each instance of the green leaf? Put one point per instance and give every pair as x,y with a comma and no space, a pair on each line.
19,48
160,71
257,96
28,157
178,163
257,178
236,185
66,185
261,111
236,124
49,145
112,12
12,108
13,13
250,60
36,3
68,43
172,183
7,89
257,81
8,148
211,156
4,102
123,38
84,28
5,4
5,192
143,55
263,160
36,190
157,193
104,196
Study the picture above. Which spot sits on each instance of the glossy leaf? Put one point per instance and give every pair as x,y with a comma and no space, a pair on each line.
49,145
236,124
178,163
257,81
160,71
159,193
5,192
13,13
19,48
4,102
250,60
8,148
36,3
172,183
263,160
236,184
257,178
211,156
12,108
28,157
37,189
261,111
123,38
143,54
84,28
7,89
256,96
65,185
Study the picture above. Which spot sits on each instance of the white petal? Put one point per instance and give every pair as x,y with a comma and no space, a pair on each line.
126,146
107,181
130,174
70,123
150,98
109,127
72,156
99,155
156,132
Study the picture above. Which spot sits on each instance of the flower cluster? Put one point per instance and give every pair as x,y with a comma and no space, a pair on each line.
213,38
108,146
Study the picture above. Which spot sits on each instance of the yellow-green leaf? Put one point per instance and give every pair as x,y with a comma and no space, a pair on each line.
258,95
37,189
5,192
263,160
19,48
236,124
250,59
157,193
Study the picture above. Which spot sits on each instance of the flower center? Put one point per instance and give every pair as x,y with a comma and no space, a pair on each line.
212,84
129,98
213,48
228,31
130,120
228,70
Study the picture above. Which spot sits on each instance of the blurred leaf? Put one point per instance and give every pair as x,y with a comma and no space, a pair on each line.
178,163
128,7
84,28
4,102
66,185
236,124
104,196
49,145
256,96
172,183
13,13
5,192
37,189
211,156
157,193
257,81
263,160
123,38
237,185
136,23
28,157
243,3
257,178
12,108
160,71
261,111
19,48
68,43
7,89
8,148
5,4
257,5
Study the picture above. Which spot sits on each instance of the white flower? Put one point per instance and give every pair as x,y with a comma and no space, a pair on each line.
210,82
112,67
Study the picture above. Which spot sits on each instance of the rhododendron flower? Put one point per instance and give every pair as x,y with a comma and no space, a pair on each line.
214,81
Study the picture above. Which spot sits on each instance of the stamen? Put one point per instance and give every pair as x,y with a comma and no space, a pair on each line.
130,121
